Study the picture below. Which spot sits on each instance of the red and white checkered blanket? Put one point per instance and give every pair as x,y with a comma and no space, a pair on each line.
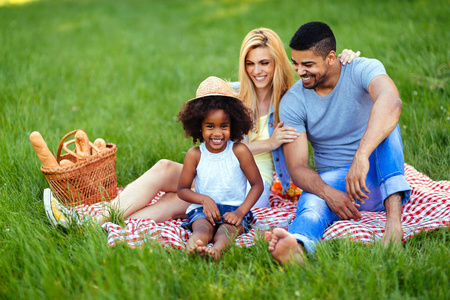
428,209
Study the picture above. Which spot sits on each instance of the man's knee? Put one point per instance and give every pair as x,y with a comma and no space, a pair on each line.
314,210
312,203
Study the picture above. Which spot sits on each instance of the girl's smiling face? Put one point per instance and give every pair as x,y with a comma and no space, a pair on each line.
216,130
260,67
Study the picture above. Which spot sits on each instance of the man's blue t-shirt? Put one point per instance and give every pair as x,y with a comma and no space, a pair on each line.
336,122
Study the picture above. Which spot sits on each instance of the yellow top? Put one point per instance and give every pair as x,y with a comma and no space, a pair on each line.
264,160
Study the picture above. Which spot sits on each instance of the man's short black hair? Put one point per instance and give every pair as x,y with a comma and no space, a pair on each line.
315,36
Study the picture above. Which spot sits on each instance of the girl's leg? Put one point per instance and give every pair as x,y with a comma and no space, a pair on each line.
163,176
225,235
202,233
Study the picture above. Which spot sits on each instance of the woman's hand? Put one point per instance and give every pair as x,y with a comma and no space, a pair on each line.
347,56
210,210
282,135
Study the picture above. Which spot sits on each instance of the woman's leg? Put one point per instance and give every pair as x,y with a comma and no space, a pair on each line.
163,176
169,206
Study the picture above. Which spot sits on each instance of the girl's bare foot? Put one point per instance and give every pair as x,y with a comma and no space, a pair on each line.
201,248
213,252
191,246
285,248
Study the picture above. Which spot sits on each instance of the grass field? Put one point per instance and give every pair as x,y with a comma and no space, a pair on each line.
122,69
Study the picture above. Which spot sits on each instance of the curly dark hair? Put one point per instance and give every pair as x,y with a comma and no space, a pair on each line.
195,111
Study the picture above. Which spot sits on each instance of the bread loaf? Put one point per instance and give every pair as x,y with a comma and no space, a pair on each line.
82,147
44,154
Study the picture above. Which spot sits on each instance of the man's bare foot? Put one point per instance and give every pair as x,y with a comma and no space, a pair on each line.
213,252
285,248
268,236
393,234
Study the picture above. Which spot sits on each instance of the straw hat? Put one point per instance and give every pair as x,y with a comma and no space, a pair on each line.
214,86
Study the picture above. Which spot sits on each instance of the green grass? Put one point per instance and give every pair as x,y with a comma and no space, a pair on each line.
122,69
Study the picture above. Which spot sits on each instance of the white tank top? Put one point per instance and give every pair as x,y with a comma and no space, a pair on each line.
220,177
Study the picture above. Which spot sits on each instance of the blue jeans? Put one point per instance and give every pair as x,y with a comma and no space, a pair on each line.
385,177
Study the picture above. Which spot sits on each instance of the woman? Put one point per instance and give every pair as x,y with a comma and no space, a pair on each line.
265,74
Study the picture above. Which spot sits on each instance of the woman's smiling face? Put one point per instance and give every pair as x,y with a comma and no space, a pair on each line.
260,66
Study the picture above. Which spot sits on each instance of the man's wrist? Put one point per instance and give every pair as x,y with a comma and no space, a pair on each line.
326,192
361,155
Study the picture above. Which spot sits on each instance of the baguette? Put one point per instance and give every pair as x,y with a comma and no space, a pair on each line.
82,147
66,163
45,156
100,144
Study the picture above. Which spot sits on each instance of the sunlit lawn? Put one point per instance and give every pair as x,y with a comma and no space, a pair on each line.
122,69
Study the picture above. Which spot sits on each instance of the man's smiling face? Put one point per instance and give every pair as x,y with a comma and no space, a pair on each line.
311,68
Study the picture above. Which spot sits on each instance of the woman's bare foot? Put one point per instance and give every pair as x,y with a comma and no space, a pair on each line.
285,248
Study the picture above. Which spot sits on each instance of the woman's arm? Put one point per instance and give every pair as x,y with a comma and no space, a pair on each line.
280,136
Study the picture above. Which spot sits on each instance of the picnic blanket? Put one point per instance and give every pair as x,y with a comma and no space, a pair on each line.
428,209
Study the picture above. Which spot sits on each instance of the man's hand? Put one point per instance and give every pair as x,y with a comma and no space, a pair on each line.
234,217
355,181
342,205
210,209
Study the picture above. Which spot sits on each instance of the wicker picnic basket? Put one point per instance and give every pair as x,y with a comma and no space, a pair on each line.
89,180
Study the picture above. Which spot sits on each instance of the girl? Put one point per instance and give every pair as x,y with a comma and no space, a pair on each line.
221,166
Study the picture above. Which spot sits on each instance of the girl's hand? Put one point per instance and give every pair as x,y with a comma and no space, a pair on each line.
210,209
282,135
347,56
234,217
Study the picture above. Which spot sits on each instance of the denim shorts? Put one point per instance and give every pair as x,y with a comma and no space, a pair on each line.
198,213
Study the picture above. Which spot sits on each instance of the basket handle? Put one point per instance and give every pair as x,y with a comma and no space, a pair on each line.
61,143
75,154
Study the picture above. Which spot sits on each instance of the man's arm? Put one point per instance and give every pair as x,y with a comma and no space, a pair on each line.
383,118
307,179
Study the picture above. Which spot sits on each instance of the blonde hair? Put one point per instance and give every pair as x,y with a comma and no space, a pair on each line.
283,77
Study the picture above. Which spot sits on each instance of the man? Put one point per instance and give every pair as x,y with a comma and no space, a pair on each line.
350,116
